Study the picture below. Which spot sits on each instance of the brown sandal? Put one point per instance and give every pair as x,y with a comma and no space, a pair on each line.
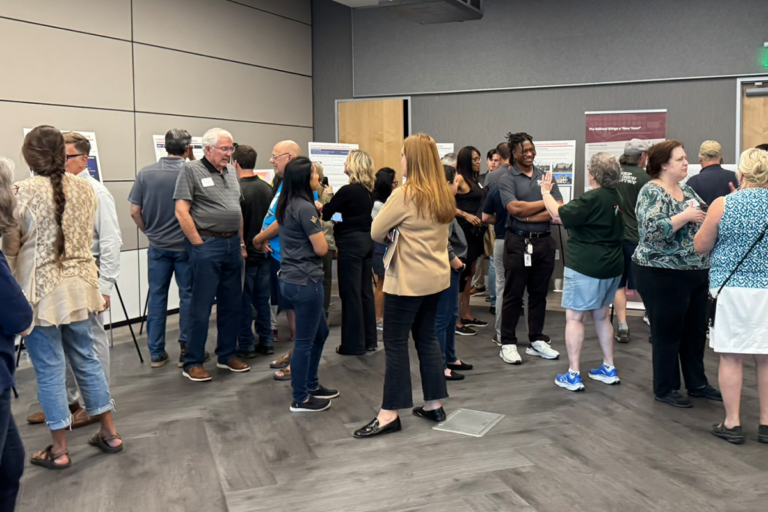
282,362
101,443
286,374
47,459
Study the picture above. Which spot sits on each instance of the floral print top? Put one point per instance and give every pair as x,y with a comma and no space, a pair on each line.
659,245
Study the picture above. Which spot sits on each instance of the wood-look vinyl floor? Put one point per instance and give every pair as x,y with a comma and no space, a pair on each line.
232,444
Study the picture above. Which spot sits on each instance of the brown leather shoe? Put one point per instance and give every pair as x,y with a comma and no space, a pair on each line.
36,418
197,374
234,365
80,417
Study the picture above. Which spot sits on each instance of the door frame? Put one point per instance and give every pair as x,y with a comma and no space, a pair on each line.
739,83
407,99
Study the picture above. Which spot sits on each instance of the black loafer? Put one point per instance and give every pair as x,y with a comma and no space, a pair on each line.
374,429
706,392
454,376
762,433
461,366
675,399
436,415
250,354
733,435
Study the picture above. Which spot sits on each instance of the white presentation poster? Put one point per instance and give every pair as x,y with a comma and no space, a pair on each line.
443,148
694,169
558,156
94,165
332,155
159,142
266,174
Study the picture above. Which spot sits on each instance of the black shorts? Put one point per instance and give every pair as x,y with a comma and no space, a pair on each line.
626,278
277,298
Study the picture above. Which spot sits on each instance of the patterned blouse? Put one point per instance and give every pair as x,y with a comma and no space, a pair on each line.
659,245
744,218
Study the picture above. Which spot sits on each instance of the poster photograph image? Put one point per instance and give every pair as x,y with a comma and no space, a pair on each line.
94,165
159,142
558,156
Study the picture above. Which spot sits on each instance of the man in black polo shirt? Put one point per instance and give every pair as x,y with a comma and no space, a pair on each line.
208,208
712,181
529,251
257,194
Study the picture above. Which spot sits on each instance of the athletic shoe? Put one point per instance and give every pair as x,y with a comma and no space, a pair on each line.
496,340
311,405
477,291
473,322
380,325
622,336
762,433
465,331
605,374
159,362
324,393
675,399
542,349
510,355
733,435
646,319
570,381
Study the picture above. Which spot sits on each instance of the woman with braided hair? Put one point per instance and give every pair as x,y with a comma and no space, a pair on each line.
49,253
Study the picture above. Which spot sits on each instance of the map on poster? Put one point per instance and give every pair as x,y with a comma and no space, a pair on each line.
443,148
94,165
159,142
609,131
332,155
558,156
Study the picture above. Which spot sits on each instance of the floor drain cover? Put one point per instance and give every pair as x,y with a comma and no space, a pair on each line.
469,422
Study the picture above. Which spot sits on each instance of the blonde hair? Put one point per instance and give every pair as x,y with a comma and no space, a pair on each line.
753,167
320,175
360,169
426,185
7,196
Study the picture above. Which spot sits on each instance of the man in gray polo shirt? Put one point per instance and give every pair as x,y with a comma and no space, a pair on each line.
208,208
529,251
152,209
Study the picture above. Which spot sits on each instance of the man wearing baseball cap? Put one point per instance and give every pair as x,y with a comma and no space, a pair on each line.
633,177
712,181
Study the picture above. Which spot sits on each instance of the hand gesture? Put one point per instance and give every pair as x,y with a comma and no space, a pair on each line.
319,206
694,215
547,183
473,220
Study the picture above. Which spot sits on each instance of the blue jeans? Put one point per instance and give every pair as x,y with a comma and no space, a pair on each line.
11,455
47,348
311,333
161,265
255,295
445,321
491,285
217,266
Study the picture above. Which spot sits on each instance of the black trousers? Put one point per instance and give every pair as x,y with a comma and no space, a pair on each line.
358,310
676,302
519,277
327,280
417,315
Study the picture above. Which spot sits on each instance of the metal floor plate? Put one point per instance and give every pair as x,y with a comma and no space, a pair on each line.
469,422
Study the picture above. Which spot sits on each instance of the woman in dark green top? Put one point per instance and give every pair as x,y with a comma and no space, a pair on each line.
594,263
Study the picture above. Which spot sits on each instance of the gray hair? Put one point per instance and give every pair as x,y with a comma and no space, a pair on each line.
605,169
212,136
7,196
449,159
177,141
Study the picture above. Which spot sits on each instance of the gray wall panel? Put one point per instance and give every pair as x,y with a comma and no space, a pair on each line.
104,17
298,10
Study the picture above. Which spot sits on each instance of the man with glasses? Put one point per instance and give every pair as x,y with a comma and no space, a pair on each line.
208,208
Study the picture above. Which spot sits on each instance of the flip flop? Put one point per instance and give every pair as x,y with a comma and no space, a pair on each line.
286,374
281,363
100,442
48,458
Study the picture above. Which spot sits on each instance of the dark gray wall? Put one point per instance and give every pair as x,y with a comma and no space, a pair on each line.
331,64
554,42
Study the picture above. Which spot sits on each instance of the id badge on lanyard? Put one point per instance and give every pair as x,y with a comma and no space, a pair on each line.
527,259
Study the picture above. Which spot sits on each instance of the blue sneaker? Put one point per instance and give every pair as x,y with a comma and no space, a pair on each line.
605,374
570,381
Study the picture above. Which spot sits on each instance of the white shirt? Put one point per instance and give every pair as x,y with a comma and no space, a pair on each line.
106,235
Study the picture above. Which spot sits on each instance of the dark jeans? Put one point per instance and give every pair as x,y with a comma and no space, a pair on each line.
358,310
676,302
11,455
519,277
216,274
445,321
417,315
311,333
161,265
255,296
327,279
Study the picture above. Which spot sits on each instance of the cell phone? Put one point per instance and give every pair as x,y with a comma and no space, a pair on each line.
325,181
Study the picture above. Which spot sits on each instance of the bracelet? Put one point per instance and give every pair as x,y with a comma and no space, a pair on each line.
546,192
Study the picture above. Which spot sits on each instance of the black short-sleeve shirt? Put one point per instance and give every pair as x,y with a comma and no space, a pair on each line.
516,186
298,261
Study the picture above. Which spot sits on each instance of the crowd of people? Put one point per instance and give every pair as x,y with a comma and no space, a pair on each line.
409,248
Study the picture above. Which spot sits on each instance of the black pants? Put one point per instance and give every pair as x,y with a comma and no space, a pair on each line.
417,315
11,454
327,280
358,310
518,277
676,302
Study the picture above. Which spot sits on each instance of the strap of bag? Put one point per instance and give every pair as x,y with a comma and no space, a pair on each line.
757,241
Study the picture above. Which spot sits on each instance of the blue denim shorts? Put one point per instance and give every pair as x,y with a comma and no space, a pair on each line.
584,293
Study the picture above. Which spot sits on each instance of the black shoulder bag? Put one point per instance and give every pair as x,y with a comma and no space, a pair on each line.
712,301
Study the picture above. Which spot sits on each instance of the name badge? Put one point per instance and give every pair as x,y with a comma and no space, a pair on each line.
207,182
527,260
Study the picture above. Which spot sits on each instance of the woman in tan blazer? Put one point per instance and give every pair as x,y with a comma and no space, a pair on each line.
421,210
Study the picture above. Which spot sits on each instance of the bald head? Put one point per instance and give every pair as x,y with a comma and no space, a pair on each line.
282,153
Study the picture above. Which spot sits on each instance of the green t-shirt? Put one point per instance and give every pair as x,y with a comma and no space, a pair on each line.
596,232
632,180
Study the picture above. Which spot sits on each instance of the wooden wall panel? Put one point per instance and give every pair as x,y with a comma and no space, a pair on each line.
754,120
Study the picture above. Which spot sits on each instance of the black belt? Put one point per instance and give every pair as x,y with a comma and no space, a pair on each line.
533,235
205,232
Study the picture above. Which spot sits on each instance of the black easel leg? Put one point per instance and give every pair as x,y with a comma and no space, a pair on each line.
127,318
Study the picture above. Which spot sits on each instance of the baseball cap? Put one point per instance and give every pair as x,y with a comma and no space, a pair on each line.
710,148
636,147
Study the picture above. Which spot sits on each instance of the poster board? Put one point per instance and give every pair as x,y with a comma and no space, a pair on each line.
159,143
94,164
558,156
266,174
443,148
694,169
332,155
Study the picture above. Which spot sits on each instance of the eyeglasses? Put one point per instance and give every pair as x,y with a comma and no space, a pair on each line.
69,157
478,159
275,157
225,149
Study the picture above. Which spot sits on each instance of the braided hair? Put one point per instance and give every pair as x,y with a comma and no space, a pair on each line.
45,153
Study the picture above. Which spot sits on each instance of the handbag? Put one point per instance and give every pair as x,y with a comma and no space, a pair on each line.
712,301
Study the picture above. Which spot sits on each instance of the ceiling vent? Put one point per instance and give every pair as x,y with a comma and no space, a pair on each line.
436,11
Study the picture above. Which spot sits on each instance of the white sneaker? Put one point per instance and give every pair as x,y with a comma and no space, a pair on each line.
510,355
542,349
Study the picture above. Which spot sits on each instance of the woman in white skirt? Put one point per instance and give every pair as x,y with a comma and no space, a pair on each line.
735,224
